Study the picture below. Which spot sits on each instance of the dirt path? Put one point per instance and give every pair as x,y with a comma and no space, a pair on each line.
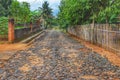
112,57
11,47
56,56
7,50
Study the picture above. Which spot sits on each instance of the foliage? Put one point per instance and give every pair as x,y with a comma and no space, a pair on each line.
3,25
46,14
77,12
25,12
35,15
110,9
15,9
20,11
5,7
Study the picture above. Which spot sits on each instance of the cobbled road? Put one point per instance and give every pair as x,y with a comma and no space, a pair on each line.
56,56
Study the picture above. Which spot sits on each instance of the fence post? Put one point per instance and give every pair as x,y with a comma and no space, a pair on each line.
107,35
11,32
93,26
31,26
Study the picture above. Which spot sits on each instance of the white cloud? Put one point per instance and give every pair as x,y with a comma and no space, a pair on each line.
38,3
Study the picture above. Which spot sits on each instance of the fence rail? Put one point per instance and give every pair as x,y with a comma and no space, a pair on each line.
104,35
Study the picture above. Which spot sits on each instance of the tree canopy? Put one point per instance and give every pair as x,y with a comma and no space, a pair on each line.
77,12
20,11
5,7
46,14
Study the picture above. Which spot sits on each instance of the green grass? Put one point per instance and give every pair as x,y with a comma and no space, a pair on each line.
19,27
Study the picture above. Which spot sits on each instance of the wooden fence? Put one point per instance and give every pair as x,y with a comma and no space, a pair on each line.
104,35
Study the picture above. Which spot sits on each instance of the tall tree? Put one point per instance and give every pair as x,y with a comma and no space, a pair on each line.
109,9
25,12
2,11
35,15
15,9
77,12
20,11
46,14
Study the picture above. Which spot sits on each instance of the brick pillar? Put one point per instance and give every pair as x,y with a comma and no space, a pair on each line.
31,26
11,35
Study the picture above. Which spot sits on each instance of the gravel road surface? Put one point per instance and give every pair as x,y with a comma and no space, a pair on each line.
56,56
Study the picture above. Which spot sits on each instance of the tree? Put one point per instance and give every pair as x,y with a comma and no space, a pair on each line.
15,10
46,14
6,5
25,12
109,10
78,12
2,11
20,11
35,15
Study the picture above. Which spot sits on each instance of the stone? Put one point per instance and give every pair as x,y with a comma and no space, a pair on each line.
56,56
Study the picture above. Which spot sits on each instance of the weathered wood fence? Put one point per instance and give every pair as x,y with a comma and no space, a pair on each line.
104,35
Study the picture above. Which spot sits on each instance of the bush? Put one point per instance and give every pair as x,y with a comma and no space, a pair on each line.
3,25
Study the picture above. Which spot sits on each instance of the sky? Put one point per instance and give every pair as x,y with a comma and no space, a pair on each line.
38,3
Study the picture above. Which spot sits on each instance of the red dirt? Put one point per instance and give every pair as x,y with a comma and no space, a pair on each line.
12,47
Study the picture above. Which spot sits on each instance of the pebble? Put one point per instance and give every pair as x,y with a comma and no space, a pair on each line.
54,66
1,71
